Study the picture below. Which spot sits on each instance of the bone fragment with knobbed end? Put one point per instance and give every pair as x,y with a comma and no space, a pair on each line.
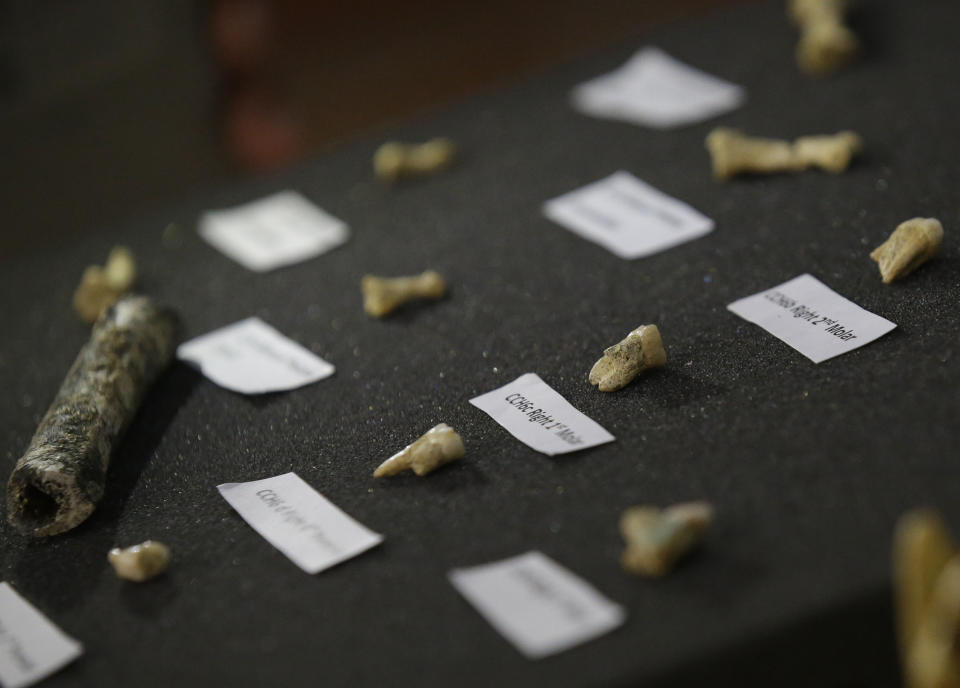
912,244
60,479
657,538
438,446
101,287
926,577
621,363
140,562
826,44
394,160
734,153
383,295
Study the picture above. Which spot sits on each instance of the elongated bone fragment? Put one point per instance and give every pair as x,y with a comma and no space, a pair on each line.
657,538
101,287
621,363
394,160
438,446
383,295
60,479
826,44
140,562
912,244
926,576
734,153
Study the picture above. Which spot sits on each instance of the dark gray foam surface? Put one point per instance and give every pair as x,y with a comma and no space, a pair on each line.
808,465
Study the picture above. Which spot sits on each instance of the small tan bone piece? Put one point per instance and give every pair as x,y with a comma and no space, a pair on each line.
735,153
912,244
140,562
657,538
926,576
394,160
622,362
826,44
382,295
436,447
101,287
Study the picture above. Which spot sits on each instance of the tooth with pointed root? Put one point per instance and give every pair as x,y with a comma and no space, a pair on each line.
657,538
826,44
912,244
735,153
101,287
394,160
926,578
383,295
436,447
140,562
638,351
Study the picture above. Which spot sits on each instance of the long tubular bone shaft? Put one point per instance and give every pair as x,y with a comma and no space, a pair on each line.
60,479
826,44
438,446
382,295
621,363
912,244
734,153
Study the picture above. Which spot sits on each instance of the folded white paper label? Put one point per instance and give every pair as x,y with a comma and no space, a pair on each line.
536,604
627,216
31,648
655,90
299,521
812,318
274,231
530,410
251,357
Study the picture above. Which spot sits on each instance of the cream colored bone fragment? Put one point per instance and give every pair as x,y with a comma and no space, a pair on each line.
101,287
394,160
734,153
621,363
657,538
912,244
438,446
382,295
926,575
140,562
826,44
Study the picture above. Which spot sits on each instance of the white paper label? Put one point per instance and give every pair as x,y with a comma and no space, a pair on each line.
536,604
31,648
251,357
655,90
299,521
530,410
628,217
274,231
812,318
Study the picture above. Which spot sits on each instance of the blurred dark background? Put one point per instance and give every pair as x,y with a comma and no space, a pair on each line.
109,109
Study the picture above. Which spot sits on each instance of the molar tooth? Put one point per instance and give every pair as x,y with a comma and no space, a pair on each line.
394,160
621,363
657,538
382,295
912,244
436,447
140,562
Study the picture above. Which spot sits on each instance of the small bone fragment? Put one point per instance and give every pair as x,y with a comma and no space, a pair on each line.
926,576
140,562
439,445
826,44
60,479
622,362
912,244
735,153
394,160
657,538
382,295
101,287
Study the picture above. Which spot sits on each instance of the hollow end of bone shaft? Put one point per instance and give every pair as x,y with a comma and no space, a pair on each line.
41,508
